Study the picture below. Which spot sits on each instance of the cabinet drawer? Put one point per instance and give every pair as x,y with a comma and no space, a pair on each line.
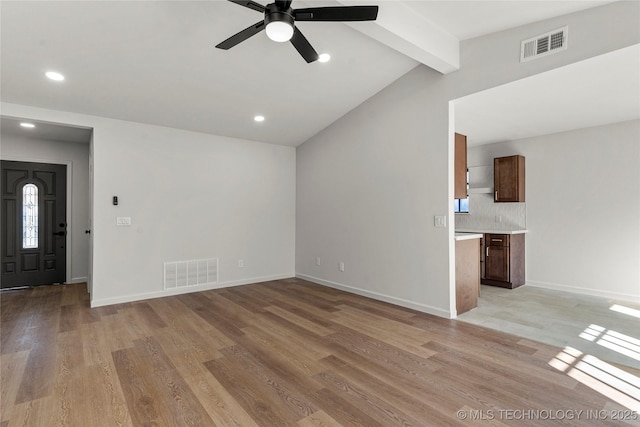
496,239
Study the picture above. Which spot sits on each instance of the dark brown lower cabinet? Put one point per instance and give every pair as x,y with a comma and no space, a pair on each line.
503,260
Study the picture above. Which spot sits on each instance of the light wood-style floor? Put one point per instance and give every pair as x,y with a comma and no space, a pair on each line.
282,353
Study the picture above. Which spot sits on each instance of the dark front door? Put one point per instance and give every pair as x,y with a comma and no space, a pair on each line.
33,223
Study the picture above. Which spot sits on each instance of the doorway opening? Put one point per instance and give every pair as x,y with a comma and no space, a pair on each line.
42,232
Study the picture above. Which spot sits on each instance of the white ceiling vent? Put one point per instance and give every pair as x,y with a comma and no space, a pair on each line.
544,44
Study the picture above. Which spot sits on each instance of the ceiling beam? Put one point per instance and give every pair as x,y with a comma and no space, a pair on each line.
401,28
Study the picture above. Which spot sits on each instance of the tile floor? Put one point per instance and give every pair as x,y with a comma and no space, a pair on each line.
604,328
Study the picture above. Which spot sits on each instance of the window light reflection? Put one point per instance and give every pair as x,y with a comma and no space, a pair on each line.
613,340
614,383
625,310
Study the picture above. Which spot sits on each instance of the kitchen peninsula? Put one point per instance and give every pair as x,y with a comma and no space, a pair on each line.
467,270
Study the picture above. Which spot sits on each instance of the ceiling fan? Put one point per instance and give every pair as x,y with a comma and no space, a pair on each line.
279,19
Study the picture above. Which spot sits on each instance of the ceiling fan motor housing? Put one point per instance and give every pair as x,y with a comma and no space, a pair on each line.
273,14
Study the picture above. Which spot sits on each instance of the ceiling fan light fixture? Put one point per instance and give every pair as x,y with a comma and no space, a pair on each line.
279,23
279,31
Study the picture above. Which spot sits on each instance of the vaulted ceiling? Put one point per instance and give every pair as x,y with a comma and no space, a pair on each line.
156,62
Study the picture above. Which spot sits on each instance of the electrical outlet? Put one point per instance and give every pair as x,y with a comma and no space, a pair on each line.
341,266
318,260
241,263
440,221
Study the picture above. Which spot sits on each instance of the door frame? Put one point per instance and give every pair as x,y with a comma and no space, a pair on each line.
69,165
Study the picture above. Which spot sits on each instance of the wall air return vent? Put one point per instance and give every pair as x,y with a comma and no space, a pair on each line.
544,44
180,274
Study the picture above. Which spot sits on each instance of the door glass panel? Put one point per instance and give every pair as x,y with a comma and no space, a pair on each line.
30,217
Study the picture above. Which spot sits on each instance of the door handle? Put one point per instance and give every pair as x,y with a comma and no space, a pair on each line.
60,233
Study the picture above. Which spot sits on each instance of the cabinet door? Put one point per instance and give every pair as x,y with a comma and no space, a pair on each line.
496,263
509,178
460,169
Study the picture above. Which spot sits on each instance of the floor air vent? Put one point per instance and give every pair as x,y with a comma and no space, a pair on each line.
180,274
544,44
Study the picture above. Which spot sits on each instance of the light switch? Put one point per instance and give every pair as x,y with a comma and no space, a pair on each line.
123,221
440,221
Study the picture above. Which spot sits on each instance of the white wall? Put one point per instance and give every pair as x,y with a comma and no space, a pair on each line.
583,208
76,157
369,186
190,196
362,200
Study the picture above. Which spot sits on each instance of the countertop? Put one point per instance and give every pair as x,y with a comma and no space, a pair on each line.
467,236
492,230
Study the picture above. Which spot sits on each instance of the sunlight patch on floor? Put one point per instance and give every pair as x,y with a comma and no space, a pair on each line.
625,310
613,340
616,384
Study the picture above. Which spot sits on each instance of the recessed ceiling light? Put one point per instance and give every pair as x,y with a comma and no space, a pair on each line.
53,75
259,118
27,125
324,57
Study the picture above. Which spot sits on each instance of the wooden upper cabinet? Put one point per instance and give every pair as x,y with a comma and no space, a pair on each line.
508,179
460,169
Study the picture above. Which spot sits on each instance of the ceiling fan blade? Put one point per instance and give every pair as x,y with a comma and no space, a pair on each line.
283,4
250,4
303,46
241,36
337,13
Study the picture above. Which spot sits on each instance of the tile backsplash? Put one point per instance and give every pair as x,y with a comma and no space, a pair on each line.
484,213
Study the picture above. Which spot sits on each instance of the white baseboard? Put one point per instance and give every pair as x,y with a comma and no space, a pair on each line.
380,297
184,290
77,280
585,291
